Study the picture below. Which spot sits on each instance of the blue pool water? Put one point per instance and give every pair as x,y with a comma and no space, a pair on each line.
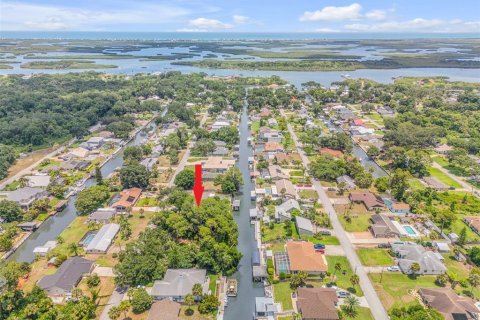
87,238
409,230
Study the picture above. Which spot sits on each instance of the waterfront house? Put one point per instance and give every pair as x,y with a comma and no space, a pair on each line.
304,226
347,181
267,134
283,212
383,227
60,284
38,180
302,257
103,239
164,310
220,151
317,303
102,215
24,197
219,124
275,172
79,152
450,305
286,189
272,147
177,283
216,165
369,200
431,263
94,143
128,198
266,308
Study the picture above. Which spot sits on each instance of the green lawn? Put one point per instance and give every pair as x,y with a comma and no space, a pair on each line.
415,184
364,314
374,257
434,172
277,233
393,287
357,224
147,202
282,294
342,281
308,194
332,240
213,283
255,127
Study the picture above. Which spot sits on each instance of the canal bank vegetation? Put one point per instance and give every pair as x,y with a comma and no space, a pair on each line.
66,64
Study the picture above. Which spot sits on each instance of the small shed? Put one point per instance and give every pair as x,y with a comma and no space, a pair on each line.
441,246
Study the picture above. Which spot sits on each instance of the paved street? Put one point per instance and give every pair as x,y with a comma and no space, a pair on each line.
466,187
371,296
115,299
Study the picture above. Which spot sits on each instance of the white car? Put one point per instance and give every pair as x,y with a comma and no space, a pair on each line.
393,268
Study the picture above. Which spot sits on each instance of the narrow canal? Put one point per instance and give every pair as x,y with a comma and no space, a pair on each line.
243,305
52,228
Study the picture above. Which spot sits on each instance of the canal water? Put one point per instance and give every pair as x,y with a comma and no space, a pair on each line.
243,305
52,228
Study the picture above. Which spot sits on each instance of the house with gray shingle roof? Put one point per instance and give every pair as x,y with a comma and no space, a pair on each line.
177,283
68,275
283,211
408,253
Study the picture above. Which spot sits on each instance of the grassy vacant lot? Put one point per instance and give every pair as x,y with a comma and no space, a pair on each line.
342,281
147,202
393,288
374,257
308,194
358,223
364,314
415,184
282,293
434,172
332,240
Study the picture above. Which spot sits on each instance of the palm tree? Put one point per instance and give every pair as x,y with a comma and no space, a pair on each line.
415,268
338,267
350,306
189,301
114,313
354,280
73,248
94,295
124,306
77,294
474,279
130,293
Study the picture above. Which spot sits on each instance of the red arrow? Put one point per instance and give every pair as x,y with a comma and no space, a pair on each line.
198,187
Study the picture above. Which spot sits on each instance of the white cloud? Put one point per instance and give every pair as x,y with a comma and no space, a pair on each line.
191,30
327,30
240,19
376,15
417,25
331,13
25,16
204,23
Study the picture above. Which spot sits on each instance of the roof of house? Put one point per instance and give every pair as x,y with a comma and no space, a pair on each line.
38,181
259,271
275,171
332,152
369,199
281,156
287,185
266,305
79,152
358,122
22,194
67,275
95,140
216,163
179,282
443,148
412,252
400,206
104,237
273,146
448,303
102,214
473,222
286,207
164,310
382,225
317,303
128,197
304,223
302,257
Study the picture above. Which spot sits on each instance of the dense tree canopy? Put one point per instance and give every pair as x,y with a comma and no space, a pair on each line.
91,198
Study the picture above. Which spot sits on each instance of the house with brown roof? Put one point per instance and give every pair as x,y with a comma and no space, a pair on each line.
436,184
382,227
164,310
273,147
128,199
286,188
216,164
369,200
449,304
281,157
302,257
473,223
317,303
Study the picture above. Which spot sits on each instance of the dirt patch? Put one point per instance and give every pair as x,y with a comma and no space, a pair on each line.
362,235
26,162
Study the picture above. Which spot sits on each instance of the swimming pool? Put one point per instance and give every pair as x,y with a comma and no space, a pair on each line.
87,238
410,230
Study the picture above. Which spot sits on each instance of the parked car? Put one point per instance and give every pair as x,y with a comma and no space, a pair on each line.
319,246
320,250
325,233
343,294
384,245
393,268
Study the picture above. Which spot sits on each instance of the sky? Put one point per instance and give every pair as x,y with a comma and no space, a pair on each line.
405,16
